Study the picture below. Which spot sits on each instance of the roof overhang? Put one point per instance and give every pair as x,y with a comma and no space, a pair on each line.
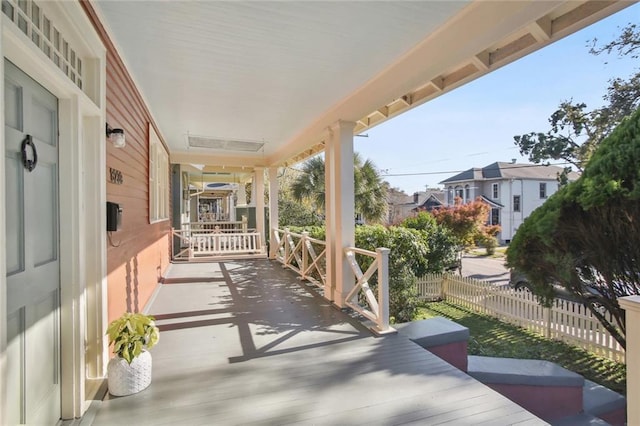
282,73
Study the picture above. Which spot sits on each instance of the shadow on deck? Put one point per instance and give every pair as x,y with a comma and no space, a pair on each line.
243,342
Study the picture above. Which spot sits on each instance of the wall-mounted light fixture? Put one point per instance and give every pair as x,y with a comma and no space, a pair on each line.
116,136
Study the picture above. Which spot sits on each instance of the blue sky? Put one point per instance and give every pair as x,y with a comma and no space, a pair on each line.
474,125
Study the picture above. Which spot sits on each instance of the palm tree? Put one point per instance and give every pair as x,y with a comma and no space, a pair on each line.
370,190
309,185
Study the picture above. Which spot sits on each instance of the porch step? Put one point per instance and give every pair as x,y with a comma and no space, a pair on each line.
543,388
582,419
549,391
440,336
604,403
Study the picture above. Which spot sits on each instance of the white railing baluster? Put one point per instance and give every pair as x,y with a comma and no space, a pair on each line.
383,288
305,255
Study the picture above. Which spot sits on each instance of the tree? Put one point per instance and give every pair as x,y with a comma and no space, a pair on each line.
575,132
587,232
443,246
292,213
468,222
369,189
309,184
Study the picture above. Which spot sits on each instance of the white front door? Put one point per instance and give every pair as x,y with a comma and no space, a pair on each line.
32,250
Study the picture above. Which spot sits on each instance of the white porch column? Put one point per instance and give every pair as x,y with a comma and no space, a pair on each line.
257,199
252,200
631,304
339,210
3,274
242,194
273,209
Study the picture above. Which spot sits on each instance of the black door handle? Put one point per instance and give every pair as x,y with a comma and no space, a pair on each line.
29,164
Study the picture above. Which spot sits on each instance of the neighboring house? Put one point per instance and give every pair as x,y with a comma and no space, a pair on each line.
402,205
512,190
435,198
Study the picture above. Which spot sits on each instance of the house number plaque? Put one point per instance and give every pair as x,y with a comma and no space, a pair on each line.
115,176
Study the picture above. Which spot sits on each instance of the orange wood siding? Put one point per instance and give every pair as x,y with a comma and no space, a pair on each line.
138,254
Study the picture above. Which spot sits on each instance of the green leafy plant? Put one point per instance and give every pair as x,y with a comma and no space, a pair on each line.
131,334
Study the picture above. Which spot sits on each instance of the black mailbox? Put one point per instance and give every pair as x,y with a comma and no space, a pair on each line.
114,216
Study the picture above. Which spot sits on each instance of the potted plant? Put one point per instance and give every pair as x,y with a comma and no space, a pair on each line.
130,370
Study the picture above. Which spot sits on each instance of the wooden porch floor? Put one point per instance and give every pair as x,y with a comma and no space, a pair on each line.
243,342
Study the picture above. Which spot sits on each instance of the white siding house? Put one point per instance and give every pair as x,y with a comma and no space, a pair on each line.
512,190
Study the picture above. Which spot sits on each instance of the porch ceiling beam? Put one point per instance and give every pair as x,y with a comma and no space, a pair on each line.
541,29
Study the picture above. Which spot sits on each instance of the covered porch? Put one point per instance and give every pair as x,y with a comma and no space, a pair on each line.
245,342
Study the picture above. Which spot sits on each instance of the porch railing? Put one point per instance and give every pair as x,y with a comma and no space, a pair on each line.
228,226
361,298
204,243
565,320
307,257
303,254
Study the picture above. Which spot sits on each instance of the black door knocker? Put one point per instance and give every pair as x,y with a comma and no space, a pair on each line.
29,164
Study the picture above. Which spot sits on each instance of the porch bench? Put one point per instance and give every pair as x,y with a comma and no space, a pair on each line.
542,387
440,336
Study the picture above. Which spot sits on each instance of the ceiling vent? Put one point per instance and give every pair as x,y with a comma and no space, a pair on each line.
225,144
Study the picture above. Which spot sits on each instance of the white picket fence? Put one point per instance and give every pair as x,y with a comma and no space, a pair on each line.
564,320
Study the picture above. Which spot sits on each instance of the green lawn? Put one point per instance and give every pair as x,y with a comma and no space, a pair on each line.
490,337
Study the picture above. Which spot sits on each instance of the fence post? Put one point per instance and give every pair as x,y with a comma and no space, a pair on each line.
547,320
287,249
444,287
631,305
382,255
305,255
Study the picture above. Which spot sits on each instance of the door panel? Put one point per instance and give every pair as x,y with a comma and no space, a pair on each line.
33,273
15,366
41,348
45,117
12,105
14,208
45,231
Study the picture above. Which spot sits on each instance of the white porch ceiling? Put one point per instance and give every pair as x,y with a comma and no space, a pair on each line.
280,73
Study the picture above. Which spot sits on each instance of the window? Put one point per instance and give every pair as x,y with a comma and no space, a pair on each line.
543,190
158,178
494,190
460,193
495,216
516,203
450,195
467,193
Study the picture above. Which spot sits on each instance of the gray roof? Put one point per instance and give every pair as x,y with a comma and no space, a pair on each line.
502,170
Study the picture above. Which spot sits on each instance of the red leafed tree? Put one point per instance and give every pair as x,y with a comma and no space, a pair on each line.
468,222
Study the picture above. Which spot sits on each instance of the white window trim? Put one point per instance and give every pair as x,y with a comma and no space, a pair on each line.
519,203
158,179
540,190
495,191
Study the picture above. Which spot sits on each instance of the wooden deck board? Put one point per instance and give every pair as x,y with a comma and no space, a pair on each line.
243,342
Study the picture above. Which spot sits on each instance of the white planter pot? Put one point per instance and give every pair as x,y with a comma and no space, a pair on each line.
126,379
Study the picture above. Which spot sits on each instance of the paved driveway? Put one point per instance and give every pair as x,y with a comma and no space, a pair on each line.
487,269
